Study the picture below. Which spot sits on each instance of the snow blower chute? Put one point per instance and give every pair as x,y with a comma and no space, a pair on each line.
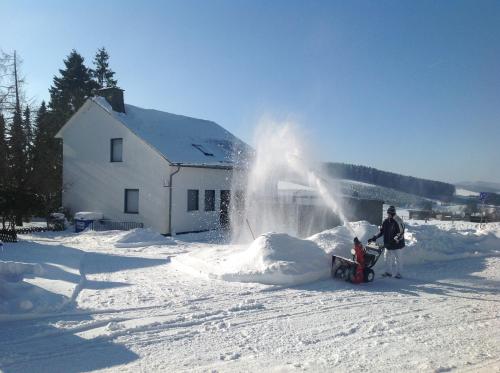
359,268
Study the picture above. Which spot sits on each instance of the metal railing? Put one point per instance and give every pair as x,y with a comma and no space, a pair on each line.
8,235
110,225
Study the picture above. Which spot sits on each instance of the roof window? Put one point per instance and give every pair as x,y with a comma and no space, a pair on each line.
203,150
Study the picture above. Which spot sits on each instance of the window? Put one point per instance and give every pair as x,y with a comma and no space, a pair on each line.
209,200
131,201
116,150
192,199
203,150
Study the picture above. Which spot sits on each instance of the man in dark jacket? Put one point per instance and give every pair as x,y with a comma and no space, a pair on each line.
393,231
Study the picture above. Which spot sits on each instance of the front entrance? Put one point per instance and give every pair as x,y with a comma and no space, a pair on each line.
225,200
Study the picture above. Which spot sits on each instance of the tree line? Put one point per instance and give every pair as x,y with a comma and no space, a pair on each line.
492,199
408,184
30,155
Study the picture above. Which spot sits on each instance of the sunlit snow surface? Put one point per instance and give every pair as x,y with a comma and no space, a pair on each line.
97,306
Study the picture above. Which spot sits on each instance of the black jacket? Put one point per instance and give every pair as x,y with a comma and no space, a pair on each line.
392,229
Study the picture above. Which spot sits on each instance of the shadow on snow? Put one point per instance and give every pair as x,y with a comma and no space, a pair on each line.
42,343
435,278
39,346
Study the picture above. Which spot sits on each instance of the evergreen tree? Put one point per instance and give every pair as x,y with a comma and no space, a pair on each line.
46,177
17,164
102,74
4,176
70,90
28,133
4,152
67,94
17,150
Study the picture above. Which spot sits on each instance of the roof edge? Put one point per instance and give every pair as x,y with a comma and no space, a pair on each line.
71,119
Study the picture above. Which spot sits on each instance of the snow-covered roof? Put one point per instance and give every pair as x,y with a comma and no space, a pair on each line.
289,186
180,139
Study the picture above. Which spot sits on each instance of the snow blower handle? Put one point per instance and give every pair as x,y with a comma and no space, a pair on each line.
374,246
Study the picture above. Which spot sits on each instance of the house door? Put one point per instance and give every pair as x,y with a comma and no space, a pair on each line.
225,200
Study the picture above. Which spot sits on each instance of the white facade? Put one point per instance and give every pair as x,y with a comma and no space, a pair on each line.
91,182
198,179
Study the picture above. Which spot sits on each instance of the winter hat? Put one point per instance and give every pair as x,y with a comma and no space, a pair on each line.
391,210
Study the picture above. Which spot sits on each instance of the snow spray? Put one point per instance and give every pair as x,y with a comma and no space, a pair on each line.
281,158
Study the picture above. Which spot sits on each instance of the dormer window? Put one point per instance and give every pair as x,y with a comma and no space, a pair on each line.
116,150
203,150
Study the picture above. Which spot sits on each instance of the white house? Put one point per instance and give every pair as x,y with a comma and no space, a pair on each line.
170,172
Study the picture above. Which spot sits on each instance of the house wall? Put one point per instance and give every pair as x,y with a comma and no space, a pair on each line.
199,179
92,183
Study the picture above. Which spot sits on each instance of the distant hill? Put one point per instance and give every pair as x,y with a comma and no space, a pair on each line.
480,186
407,184
388,195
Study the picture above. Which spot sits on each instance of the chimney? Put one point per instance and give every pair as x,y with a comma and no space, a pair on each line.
114,96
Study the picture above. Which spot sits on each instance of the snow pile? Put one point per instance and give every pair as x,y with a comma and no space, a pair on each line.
444,242
140,237
15,271
16,295
279,259
273,258
339,240
23,297
433,241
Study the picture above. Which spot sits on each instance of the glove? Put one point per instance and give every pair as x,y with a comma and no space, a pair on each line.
373,239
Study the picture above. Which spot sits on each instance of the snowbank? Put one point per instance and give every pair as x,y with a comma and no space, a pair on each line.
16,295
88,215
15,271
140,237
339,240
273,258
279,259
433,241
427,242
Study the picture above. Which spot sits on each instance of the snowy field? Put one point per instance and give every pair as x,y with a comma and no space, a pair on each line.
139,302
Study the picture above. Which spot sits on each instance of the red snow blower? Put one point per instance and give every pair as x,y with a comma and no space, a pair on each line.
359,268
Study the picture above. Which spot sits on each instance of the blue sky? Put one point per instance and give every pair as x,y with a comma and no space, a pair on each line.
405,86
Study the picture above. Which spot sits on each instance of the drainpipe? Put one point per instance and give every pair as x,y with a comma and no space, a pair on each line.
170,198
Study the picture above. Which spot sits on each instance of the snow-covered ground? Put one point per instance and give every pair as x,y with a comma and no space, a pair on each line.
134,301
371,191
465,192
